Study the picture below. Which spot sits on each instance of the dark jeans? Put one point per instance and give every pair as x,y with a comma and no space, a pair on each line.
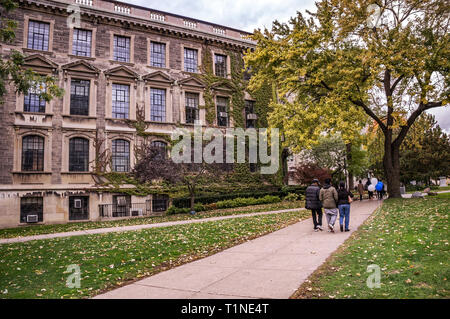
317,217
360,197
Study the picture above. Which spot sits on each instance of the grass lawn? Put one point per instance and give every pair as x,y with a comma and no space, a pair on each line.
36,269
408,239
51,229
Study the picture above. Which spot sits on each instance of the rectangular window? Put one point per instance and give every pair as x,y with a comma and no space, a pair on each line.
33,102
220,62
158,105
38,35
160,203
158,54
121,48
121,205
81,45
33,153
190,60
33,206
191,107
78,207
249,109
79,97
222,111
120,156
120,101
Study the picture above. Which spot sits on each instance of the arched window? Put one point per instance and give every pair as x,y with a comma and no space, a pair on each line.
78,155
162,146
120,156
32,153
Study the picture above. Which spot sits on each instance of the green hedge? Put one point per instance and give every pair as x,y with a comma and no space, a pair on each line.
185,202
230,203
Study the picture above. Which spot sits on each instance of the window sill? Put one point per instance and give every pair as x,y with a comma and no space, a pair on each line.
34,113
190,73
121,63
32,172
85,117
77,173
37,51
158,68
81,57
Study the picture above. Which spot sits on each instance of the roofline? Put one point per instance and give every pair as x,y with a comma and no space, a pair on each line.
178,16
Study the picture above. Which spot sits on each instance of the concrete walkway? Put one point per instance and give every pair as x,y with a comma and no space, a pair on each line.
272,266
135,227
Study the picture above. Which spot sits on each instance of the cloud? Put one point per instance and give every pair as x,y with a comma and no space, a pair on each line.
240,14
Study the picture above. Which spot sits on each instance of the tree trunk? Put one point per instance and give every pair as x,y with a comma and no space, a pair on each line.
391,163
351,184
192,201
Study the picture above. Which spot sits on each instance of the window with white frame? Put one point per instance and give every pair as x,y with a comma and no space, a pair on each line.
157,105
122,48
192,101
120,155
120,101
157,54
38,35
190,60
82,41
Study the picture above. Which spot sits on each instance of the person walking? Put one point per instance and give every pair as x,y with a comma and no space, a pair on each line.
368,183
379,188
344,200
313,203
360,189
329,197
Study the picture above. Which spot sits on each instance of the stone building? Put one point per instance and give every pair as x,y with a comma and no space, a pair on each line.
113,61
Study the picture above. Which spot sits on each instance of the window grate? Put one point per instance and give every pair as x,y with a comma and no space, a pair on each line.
31,206
80,212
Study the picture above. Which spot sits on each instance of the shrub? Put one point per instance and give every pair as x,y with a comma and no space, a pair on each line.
291,197
242,202
185,210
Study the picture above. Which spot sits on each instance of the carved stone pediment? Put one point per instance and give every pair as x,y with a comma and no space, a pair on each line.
223,86
40,63
80,67
122,72
159,77
192,82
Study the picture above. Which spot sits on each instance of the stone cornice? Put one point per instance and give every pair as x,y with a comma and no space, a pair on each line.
132,21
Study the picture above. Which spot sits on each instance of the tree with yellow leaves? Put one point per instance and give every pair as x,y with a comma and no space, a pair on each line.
352,60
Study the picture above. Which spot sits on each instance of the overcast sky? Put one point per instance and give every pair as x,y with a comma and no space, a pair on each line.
248,15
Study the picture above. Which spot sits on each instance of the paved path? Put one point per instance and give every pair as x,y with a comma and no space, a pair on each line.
135,227
272,266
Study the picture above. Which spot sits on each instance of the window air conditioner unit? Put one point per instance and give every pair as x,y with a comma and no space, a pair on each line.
32,218
77,203
198,122
223,114
136,212
252,116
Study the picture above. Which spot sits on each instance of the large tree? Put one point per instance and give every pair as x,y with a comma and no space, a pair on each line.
12,70
347,59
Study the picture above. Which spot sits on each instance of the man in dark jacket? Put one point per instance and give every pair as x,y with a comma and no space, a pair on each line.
313,203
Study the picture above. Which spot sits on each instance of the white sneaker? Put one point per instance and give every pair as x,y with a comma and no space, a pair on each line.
320,228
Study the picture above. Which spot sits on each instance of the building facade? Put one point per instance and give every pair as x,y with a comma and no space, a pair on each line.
117,64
